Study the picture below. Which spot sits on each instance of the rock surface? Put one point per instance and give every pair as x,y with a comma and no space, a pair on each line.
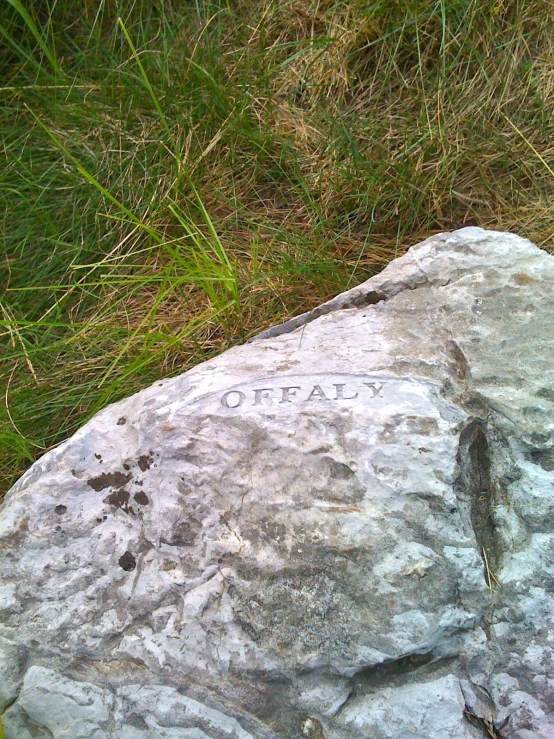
343,529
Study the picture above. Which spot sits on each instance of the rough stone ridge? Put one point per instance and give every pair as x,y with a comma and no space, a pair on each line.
343,529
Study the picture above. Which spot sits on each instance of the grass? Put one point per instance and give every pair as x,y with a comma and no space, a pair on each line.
179,175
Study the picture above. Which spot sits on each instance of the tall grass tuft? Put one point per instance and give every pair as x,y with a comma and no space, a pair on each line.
177,176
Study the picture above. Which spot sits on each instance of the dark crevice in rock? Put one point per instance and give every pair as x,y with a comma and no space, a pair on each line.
460,366
475,484
485,726
361,299
358,299
398,671
543,458
11,702
24,662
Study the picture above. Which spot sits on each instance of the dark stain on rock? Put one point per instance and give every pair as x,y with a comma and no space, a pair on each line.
119,499
108,480
539,440
184,489
60,509
121,421
523,278
14,540
127,561
144,462
547,393
137,722
141,498
184,533
340,471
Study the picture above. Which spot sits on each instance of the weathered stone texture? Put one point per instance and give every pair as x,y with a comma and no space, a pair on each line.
343,529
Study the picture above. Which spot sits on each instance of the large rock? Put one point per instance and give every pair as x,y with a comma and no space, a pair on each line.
344,529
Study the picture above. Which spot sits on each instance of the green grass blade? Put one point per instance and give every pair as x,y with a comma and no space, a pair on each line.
153,95
37,35
93,181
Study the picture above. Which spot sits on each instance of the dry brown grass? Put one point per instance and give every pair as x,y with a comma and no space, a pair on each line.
322,137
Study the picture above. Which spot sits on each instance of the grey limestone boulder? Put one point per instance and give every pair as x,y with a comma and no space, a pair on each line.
343,529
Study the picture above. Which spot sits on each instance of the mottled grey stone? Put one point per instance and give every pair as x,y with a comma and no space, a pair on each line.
343,529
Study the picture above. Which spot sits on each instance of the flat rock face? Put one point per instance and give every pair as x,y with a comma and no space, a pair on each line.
343,529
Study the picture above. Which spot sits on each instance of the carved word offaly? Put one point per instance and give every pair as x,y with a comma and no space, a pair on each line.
286,394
